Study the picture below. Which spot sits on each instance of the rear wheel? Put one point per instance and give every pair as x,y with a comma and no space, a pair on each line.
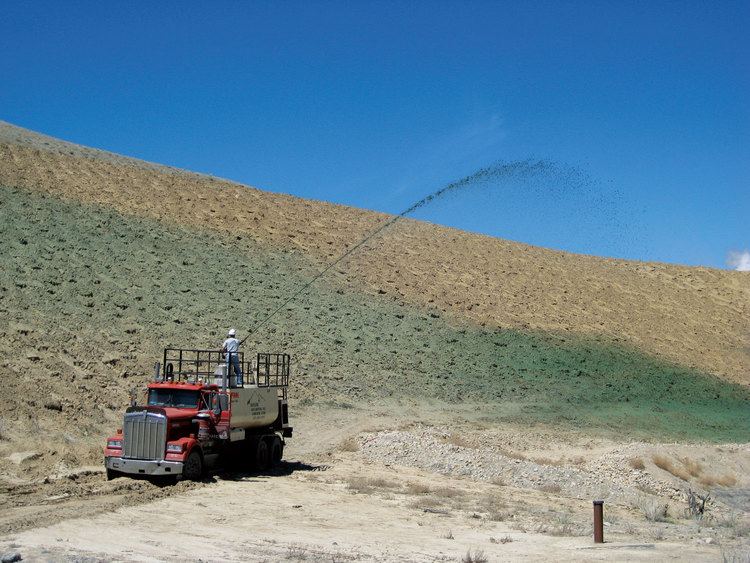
193,468
277,450
262,455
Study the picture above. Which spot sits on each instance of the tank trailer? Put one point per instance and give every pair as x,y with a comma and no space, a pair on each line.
197,417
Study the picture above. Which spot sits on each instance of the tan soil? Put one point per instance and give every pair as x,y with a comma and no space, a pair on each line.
693,316
327,504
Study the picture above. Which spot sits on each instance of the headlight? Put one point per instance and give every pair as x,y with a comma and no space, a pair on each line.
114,444
174,448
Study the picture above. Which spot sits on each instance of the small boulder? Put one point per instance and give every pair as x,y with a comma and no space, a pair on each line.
11,557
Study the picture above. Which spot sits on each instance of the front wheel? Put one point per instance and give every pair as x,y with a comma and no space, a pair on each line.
193,468
111,474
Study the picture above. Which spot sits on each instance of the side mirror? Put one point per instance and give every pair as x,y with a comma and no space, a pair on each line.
216,406
220,404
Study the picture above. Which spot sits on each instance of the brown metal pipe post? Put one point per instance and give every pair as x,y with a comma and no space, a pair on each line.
598,521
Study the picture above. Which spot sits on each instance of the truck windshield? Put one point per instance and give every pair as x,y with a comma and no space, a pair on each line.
180,398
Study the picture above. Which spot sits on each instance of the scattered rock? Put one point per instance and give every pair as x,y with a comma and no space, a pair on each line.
11,557
110,359
19,458
53,405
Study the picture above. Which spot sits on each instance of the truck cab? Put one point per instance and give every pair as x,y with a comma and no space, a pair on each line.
196,417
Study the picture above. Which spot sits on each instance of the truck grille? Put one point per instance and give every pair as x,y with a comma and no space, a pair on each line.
144,435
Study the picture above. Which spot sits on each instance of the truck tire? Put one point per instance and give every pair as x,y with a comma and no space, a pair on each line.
277,451
262,455
193,468
112,474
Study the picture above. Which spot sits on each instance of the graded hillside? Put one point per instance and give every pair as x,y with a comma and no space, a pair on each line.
107,260
694,317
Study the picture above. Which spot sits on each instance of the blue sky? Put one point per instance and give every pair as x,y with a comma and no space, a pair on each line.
377,104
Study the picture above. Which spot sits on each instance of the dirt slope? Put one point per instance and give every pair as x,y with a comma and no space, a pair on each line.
90,297
469,392
697,317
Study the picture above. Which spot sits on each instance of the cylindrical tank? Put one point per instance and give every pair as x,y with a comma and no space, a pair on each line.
253,407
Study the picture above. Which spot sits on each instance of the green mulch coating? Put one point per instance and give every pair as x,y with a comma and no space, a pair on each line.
80,282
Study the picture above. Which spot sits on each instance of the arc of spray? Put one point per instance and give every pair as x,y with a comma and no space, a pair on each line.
483,174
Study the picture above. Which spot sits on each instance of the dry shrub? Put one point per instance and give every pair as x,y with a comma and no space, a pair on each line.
505,539
550,488
499,515
734,522
742,529
417,489
578,460
358,486
723,481
663,462
382,483
547,461
657,534
425,503
563,526
636,463
370,485
349,445
493,501
495,508
646,489
447,492
296,553
654,511
693,467
458,440
499,481
512,454
476,557
697,504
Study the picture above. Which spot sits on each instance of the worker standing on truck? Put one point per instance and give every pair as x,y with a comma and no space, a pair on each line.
231,348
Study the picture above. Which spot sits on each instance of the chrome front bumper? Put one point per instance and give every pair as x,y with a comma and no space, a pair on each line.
143,467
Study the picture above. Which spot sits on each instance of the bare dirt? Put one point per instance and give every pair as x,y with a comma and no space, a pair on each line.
358,495
451,392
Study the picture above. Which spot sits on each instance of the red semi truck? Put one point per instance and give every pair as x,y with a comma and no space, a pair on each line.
198,417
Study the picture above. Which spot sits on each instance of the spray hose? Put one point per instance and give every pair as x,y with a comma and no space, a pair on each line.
301,290
483,174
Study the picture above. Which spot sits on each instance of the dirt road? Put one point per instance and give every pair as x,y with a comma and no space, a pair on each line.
303,517
335,499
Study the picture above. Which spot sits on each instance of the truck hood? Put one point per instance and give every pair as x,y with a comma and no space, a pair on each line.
180,414
172,413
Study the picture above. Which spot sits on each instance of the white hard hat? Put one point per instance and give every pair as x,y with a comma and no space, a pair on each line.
232,332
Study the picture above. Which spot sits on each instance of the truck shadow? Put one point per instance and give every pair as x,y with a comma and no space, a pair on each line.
283,469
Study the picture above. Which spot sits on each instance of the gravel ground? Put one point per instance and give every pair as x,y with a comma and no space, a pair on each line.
608,476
